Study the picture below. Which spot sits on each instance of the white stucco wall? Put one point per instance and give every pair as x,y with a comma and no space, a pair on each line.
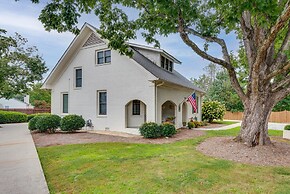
123,79
176,95
152,55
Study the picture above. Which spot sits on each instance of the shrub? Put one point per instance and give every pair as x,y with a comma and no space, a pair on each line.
150,130
190,125
12,117
48,123
213,110
32,123
29,117
168,130
72,123
197,124
287,127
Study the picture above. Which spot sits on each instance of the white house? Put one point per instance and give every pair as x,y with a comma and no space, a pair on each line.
15,103
116,92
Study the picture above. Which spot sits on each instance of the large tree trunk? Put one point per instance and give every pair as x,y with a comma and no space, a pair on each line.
254,129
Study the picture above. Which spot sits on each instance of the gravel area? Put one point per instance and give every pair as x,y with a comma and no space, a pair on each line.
277,154
60,138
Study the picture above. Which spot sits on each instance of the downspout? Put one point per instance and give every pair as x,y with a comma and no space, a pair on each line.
157,85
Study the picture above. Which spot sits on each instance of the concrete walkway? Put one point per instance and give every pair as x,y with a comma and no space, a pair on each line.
20,169
274,126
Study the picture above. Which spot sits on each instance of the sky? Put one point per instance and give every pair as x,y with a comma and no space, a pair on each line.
22,17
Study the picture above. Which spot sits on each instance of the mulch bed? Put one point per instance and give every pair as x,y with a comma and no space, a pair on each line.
277,154
60,138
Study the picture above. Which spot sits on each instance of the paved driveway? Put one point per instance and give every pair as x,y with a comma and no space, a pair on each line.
20,169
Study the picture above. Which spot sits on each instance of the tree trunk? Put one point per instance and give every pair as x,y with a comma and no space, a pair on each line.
254,129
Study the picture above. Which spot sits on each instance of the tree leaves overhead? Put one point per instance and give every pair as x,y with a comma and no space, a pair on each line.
20,65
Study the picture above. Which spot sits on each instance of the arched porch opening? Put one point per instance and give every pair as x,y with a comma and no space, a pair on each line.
135,113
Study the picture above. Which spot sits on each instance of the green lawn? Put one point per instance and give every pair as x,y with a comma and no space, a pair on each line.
224,122
145,168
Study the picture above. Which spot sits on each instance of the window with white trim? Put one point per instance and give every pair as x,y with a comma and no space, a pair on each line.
166,64
65,103
103,57
78,77
102,103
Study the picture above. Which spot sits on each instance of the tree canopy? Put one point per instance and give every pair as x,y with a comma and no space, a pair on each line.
20,65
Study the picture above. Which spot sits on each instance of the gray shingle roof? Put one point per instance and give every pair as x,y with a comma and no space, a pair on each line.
172,77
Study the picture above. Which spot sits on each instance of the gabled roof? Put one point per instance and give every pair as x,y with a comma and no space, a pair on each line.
155,50
160,73
172,77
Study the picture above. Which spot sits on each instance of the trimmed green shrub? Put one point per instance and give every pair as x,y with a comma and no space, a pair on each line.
72,123
29,117
32,123
168,130
190,125
150,130
287,127
48,123
213,110
12,117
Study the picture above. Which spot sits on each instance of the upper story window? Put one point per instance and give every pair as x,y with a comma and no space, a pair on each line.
166,64
103,57
78,77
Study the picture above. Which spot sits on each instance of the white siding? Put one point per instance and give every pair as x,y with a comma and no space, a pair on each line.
123,79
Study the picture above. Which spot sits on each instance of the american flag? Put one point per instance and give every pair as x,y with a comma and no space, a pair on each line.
192,101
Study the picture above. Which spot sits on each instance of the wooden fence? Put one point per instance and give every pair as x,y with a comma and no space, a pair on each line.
28,110
277,117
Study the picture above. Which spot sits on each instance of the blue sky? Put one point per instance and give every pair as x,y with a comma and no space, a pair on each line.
22,17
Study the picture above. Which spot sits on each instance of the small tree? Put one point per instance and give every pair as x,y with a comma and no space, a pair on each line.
213,110
20,65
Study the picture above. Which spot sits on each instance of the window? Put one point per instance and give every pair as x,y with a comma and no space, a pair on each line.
104,57
102,98
170,66
64,103
166,64
162,61
78,78
136,107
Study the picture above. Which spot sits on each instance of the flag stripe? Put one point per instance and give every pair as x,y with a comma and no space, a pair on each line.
192,101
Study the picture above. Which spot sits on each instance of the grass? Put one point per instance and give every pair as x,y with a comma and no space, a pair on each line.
147,168
224,122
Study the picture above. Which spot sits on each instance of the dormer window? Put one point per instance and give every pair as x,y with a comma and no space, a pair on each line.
166,64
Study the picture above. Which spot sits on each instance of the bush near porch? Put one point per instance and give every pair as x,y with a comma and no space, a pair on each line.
153,130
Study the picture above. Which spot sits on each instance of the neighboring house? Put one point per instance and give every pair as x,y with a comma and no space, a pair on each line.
15,103
116,92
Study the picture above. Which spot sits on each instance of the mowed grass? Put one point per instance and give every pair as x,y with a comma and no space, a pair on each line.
147,168
224,122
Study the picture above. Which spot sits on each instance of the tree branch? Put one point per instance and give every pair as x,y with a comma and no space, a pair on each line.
233,77
219,41
278,85
281,94
285,68
262,52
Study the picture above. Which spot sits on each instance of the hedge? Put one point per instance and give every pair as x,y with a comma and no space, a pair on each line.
150,130
29,117
168,129
12,117
287,127
72,123
48,123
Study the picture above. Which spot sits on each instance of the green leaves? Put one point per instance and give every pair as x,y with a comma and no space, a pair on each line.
20,66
